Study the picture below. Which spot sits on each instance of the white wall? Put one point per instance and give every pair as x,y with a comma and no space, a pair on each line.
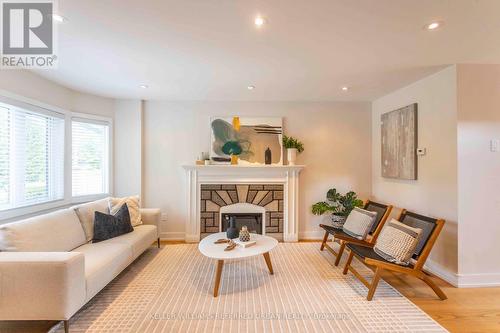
336,137
478,174
435,191
32,86
128,148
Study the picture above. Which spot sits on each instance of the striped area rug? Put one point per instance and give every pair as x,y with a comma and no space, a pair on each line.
170,290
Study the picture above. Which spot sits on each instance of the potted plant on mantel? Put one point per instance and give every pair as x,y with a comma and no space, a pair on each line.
293,146
340,206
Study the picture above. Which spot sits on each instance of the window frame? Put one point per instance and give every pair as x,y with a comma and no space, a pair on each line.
92,119
40,107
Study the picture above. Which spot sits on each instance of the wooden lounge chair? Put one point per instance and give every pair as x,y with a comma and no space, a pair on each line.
383,212
364,252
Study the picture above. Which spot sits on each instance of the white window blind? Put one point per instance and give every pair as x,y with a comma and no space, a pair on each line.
90,157
31,157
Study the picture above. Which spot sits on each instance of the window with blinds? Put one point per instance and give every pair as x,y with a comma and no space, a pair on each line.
90,157
31,157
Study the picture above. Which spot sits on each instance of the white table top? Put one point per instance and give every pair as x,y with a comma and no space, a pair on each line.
216,251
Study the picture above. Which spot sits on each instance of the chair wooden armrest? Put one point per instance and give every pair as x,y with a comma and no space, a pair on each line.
353,240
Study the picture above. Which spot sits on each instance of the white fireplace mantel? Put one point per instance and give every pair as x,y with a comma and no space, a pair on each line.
288,175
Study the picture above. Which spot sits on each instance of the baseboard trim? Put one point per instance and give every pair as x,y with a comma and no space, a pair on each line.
311,235
483,280
172,236
442,272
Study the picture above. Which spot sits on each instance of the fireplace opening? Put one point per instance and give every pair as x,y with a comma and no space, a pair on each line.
252,220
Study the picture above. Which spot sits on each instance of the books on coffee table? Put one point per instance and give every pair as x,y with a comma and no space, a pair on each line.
244,244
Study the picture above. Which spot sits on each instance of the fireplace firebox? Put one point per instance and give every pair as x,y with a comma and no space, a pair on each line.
252,220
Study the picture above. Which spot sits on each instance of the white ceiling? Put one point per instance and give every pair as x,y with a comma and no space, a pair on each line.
308,50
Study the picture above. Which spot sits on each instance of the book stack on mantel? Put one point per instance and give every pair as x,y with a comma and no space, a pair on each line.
220,161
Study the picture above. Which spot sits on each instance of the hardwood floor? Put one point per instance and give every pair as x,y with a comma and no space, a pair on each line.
468,310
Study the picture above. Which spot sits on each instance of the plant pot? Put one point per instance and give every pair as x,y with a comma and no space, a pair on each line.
338,221
291,155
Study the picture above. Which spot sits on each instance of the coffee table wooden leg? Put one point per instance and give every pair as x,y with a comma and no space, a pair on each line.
268,262
218,273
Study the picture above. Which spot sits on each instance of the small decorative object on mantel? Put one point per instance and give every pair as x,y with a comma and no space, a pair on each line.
220,160
203,158
244,234
232,231
268,156
293,146
340,206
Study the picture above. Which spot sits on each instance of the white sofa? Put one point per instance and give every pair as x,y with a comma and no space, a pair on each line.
48,271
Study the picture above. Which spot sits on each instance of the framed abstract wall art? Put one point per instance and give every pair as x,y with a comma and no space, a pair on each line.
399,143
248,140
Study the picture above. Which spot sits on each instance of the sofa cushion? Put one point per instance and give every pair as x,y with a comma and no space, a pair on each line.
59,231
86,213
107,226
140,239
103,262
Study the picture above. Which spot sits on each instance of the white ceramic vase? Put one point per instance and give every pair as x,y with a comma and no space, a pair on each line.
291,155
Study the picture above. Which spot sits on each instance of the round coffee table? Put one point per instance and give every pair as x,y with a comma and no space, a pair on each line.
216,251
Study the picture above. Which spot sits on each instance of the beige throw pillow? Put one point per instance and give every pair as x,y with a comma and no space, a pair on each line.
397,242
133,204
86,214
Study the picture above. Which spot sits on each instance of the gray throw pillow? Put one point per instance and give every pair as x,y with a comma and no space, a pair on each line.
359,223
108,226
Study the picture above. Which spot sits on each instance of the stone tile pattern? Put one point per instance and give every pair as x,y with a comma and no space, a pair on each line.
215,196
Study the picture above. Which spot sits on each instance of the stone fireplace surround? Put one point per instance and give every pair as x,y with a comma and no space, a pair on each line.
242,197
282,190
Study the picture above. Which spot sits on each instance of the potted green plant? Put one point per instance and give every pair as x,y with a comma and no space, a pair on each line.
340,206
292,146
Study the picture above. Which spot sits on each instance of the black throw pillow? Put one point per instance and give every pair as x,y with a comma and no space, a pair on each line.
109,226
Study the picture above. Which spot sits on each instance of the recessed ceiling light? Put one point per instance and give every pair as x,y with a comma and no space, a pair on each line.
251,87
259,21
345,88
144,86
433,26
59,18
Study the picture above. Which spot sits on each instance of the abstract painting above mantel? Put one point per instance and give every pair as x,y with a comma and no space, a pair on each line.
253,139
399,143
